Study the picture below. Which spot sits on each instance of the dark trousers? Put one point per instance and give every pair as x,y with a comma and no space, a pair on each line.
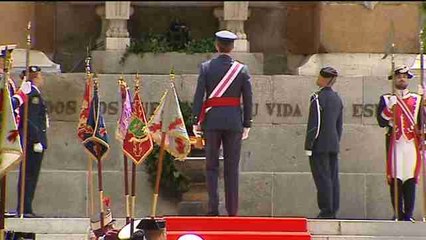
32,169
406,197
325,171
231,141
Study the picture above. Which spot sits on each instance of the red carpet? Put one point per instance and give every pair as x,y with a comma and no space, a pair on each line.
238,228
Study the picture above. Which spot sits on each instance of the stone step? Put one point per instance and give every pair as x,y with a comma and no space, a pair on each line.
192,208
197,192
195,196
61,236
48,225
194,169
366,228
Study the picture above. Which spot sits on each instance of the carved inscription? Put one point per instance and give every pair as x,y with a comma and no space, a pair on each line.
285,110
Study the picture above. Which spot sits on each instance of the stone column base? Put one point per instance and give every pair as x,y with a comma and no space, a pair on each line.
112,43
241,45
354,64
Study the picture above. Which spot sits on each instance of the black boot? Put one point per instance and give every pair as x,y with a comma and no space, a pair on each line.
400,193
409,194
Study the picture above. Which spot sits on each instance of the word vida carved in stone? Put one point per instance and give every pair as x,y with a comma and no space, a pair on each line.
272,109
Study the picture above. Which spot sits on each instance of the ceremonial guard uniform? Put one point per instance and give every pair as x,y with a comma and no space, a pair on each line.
323,135
405,147
223,81
36,139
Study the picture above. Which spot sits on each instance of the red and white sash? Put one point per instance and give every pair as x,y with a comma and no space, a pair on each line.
405,110
220,88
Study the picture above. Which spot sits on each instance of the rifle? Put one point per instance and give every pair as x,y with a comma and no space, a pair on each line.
390,47
394,162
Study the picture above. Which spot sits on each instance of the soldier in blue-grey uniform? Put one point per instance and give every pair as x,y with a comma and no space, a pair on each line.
323,135
222,81
36,139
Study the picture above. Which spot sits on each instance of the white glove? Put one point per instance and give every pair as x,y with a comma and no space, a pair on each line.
25,87
420,90
245,133
308,153
197,130
38,148
47,121
392,101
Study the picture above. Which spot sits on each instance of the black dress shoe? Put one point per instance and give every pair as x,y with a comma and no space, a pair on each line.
326,216
212,214
409,219
10,214
31,215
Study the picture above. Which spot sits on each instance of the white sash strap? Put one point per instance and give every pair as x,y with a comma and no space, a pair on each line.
406,110
226,81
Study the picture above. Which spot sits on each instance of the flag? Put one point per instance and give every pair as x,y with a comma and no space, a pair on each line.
126,112
95,136
82,130
168,118
137,143
10,144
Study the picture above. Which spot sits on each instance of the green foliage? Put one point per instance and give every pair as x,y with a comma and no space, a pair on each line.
173,182
160,43
200,46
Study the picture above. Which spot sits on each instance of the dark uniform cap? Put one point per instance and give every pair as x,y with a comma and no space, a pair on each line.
148,224
138,235
328,72
33,69
226,36
4,47
400,70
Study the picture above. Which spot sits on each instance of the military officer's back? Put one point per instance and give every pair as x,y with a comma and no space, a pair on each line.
223,81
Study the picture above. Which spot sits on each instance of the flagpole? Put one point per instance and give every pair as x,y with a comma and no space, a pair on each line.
99,161
122,83
160,162
3,179
2,205
89,159
422,127
395,182
159,172
132,213
101,193
25,125
126,188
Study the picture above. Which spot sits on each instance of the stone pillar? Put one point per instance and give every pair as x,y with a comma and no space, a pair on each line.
117,14
100,11
218,12
232,17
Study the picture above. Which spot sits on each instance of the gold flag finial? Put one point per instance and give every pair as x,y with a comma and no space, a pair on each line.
172,74
121,80
95,80
137,81
29,33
